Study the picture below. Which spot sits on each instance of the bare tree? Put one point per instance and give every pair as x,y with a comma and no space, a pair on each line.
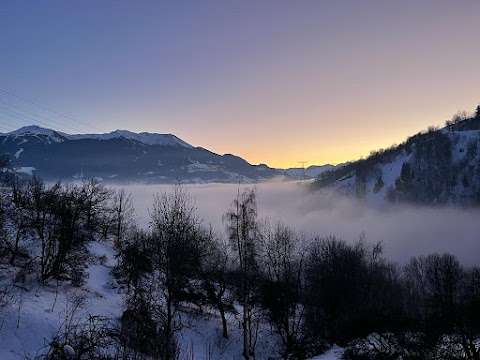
95,199
14,229
123,215
174,234
338,278
434,284
211,266
241,222
468,323
283,290
433,288
40,204
52,217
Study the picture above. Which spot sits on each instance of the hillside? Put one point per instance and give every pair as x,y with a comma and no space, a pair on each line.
46,313
434,167
81,281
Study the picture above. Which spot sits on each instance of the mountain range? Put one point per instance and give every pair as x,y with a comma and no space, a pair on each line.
439,166
124,156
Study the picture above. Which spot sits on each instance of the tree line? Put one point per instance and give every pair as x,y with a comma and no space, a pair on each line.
312,291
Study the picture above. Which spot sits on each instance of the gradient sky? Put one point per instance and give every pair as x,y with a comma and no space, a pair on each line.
272,81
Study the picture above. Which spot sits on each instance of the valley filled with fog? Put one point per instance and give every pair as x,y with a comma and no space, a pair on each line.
404,231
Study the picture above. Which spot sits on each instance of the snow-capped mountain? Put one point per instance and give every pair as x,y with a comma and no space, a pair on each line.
32,129
123,156
44,135
143,137
435,167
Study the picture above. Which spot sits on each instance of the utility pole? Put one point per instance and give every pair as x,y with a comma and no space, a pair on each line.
302,173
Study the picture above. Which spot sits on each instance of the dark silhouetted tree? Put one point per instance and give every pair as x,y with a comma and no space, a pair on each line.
174,235
241,222
283,288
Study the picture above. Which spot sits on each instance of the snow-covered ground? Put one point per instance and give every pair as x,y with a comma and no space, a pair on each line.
26,170
334,353
17,154
30,322
33,318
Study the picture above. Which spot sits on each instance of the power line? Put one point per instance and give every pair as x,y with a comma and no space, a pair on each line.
22,117
43,117
49,109
30,121
8,126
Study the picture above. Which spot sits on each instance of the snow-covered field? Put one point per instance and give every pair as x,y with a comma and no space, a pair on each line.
34,317
30,322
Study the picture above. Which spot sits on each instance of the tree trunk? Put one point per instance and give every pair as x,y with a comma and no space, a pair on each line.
246,337
224,322
246,346
15,250
168,330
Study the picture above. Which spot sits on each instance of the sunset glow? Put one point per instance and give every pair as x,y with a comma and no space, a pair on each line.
274,82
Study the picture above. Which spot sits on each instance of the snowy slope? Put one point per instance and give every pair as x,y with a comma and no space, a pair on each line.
33,129
29,323
375,177
389,172
47,136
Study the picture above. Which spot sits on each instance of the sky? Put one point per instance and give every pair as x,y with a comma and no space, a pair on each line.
272,81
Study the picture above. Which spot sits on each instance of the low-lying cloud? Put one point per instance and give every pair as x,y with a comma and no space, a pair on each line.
405,231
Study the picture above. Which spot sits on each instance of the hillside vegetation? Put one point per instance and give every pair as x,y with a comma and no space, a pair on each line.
433,167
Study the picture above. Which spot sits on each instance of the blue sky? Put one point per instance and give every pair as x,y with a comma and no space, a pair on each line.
271,81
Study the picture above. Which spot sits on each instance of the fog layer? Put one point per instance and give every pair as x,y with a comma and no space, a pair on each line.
405,231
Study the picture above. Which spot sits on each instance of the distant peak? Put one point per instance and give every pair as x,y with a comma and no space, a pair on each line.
122,132
32,129
45,135
143,137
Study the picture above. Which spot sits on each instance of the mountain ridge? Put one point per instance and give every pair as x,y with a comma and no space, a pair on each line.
126,156
433,167
146,138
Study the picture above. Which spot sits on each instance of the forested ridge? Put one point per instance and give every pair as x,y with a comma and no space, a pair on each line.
436,167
